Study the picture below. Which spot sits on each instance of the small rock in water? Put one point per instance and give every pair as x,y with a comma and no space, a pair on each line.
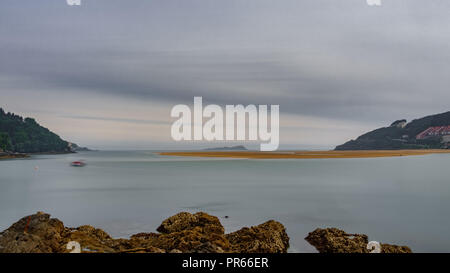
333,240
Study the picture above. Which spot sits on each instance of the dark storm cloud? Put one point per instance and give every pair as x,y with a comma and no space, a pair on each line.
318,58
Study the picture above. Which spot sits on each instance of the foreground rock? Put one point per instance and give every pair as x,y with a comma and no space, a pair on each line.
183,232
333,240
270,237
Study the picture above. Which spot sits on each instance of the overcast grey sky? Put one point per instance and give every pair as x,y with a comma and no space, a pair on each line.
106,74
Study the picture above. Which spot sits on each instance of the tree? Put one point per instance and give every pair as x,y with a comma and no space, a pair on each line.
27,136
5,142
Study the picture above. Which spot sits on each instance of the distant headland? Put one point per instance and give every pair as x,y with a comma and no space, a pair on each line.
21,136
431,132
231,148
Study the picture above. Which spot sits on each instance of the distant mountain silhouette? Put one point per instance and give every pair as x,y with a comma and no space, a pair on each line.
232,148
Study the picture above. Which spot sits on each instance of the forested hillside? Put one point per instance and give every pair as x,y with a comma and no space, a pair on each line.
399,136
25,135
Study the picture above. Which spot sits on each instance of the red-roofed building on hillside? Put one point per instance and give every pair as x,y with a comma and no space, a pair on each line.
434,132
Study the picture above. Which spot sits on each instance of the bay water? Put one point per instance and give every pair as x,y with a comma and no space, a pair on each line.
397,200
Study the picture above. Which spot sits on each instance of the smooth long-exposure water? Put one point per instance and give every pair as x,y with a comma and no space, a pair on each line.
399,200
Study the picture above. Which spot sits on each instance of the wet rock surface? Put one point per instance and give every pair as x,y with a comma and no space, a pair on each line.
187,221
333,240
270,237
181,233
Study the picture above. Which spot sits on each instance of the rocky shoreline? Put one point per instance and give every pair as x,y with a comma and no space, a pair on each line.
8,155
333,240
181,233
12,155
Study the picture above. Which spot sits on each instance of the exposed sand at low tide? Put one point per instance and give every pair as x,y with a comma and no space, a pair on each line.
304,154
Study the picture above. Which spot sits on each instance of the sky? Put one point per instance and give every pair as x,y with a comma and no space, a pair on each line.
107,73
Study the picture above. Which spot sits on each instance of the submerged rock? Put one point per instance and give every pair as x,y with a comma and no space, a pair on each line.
333,240
183,232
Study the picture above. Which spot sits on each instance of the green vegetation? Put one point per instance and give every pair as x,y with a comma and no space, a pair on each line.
27,136
5,142
397,137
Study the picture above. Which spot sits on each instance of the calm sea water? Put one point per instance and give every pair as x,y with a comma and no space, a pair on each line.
403,200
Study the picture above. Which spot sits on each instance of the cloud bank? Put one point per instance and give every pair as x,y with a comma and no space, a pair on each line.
115,68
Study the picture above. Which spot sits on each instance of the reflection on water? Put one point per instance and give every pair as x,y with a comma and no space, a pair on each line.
400,200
